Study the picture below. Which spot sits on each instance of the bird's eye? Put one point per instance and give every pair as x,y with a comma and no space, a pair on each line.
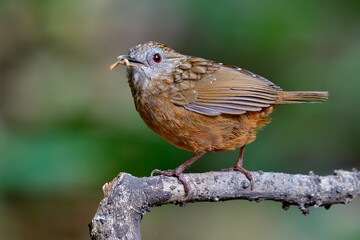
157,58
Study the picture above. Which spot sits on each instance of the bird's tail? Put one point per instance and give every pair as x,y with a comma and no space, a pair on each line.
301,97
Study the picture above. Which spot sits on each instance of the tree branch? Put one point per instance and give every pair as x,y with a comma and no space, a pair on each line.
128,198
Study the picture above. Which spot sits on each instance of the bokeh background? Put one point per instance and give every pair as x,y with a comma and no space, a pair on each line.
68,124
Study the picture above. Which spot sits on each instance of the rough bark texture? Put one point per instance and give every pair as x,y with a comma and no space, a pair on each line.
128,198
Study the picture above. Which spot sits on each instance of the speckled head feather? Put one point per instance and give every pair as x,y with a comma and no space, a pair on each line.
151,44
142,76
144,47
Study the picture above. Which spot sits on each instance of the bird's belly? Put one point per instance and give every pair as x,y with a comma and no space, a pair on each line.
198,133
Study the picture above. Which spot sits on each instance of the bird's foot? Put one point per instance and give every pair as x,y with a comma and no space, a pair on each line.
176,173
244,171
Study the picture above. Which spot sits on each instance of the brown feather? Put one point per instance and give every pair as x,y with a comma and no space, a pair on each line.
301,97
228,90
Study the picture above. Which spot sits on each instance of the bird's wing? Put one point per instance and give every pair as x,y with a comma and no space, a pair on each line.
220,89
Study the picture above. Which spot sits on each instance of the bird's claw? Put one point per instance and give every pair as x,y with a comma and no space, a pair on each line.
180,177
244,171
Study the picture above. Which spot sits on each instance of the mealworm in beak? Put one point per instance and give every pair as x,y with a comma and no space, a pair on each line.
114,65
127,63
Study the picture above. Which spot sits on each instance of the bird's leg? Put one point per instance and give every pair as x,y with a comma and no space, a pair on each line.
178,172
238,167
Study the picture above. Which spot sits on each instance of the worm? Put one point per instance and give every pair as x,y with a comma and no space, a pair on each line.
114,65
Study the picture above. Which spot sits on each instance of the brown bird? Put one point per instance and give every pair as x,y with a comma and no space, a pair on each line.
202,106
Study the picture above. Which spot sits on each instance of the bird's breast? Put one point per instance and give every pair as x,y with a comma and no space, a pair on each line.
196,132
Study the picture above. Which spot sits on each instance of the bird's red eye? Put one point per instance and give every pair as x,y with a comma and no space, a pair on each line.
157,58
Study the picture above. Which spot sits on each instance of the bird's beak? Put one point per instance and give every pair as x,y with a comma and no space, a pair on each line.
125,60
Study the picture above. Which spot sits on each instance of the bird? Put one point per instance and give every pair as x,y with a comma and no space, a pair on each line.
200,105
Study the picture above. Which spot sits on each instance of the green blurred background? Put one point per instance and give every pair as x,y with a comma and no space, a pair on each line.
68,124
